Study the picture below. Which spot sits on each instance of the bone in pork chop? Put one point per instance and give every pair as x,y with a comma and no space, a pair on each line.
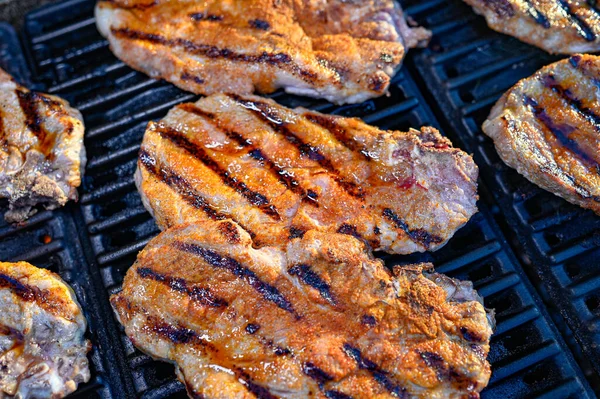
557,26
41,150
279,172
547,127
43,352
340,50
319,319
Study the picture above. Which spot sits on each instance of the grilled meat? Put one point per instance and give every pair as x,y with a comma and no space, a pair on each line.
557,26
547,126
319,319
279,172
42,347
343,51
41,150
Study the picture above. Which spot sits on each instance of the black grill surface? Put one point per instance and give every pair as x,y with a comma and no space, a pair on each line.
466,70
94,242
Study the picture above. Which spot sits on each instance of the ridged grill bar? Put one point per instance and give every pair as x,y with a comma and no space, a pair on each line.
69,58
558,242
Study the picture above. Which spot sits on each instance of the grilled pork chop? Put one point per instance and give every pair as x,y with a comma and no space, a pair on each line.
279,172
546,127
557,26
319,319
343,51
41,150
42,347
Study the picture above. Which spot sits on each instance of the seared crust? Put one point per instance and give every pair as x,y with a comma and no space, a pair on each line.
320,319
547,127
42,156
342,51
42,348
280,172
557,26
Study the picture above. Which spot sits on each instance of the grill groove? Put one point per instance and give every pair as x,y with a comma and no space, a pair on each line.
69,58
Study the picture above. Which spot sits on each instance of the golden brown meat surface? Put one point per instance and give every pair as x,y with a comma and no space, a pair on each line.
43,352
319,319
279,172
547,127
41,150
557,26
343,51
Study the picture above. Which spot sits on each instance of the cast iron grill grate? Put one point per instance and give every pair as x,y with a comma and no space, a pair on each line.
68,57
50,240
467,70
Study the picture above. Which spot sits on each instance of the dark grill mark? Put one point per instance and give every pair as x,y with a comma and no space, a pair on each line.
583,68
341,135
378,374
275,59
296,233
446,372
2,134
471,336
255,198
230,232
417,235
200,295
193,78
538,17
561,132
368,320
268,115
201,16
252,328
309,277
550,82
269,292
350,230
336,395
258,390
260,24
583,29
377,83
282,175
177,335
29,101
316,373
25,292
435,362
192,109
502,8
179,185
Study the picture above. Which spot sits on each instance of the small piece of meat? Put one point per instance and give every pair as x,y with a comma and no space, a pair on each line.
343,51
42,156
321,319
43,352
557,26
280,172
547,127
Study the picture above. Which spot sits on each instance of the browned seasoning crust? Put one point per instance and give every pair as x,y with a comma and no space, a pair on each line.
319,319
41,150
557,26
343,51
280,172
42,345
547,128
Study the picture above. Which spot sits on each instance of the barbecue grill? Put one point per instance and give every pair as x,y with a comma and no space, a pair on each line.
531,255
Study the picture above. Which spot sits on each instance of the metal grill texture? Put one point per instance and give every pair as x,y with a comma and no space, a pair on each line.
93,243
558,243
